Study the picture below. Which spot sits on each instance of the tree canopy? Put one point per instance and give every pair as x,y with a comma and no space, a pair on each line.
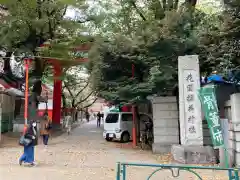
135,43
29,24
139,58
136,54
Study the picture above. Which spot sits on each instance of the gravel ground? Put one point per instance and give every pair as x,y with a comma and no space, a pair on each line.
84,155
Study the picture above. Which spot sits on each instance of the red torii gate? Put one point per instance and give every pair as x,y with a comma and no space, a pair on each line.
57,87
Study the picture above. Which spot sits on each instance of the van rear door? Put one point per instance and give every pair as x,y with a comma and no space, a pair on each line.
111,122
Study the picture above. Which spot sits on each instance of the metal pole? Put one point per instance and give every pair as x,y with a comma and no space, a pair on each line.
226,159
236,176
26,93
124,172
118,171
230,175
134,134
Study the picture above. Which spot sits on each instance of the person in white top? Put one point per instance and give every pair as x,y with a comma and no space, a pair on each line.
68,125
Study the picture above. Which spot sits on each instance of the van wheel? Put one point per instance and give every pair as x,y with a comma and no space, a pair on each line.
108,139
125,137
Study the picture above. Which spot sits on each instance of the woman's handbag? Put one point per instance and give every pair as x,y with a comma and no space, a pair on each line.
49,126
24,141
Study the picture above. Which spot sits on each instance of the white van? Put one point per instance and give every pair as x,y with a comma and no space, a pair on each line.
118,125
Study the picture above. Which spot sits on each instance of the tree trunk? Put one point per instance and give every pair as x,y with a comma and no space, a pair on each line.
191,3
76,115
37,89
34,100
73,103
137,123
64,100
7,66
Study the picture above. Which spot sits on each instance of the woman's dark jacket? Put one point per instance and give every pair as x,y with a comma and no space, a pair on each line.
29,134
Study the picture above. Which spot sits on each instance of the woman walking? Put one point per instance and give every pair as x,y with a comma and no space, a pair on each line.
28,155
46,126
68,125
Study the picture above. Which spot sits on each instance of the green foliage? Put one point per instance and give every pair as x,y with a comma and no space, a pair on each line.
220,40
64,48
147,34
151,35
152,46
77,88
30,23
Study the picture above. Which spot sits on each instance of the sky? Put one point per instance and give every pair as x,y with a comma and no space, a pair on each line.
213,4
73,13
70,13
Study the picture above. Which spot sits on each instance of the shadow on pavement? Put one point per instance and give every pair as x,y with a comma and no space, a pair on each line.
10,139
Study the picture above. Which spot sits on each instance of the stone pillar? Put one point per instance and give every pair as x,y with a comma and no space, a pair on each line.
57,92
189,104
191,149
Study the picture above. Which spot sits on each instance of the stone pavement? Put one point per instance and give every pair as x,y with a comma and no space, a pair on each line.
84,155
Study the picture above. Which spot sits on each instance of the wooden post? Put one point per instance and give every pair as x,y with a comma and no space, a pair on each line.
1,122
134,134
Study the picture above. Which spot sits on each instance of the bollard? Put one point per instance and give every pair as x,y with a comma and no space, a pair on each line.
124,172
236,176
118,171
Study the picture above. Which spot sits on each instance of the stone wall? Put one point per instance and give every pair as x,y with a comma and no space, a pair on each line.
231,149
232,113
166,125
165,120
207,141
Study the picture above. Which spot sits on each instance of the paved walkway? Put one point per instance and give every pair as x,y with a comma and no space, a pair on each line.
84,155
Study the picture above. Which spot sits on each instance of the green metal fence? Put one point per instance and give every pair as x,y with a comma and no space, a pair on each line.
174,169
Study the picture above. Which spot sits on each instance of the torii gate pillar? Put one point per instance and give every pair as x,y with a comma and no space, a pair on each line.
57,94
